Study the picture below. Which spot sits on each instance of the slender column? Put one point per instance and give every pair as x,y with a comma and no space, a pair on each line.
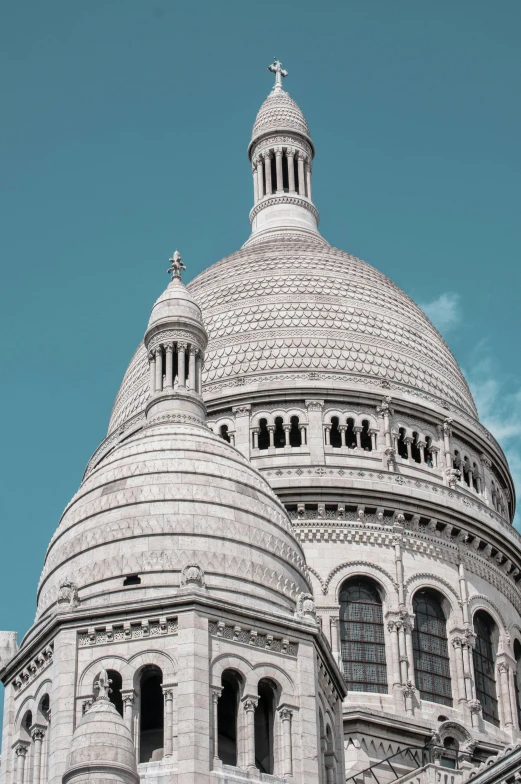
408,444
513,698
308,179
216,693
290,155
421,447
343,429
404,661
159,369
408,650
374,435
505,694
21,753
37,734
327,435
392,626
181,364
458,653
278,165
255,432
303,435
335,647
260,178
285,717
199,373
267,173
330,773
301,181
447,432
128,707
250,704
169,374
191,368
152,369
168,694
255,184
287,428
358,435
271,431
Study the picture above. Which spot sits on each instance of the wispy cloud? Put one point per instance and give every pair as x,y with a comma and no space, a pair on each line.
444,311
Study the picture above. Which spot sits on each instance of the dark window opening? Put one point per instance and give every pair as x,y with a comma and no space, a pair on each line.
362,636
475,475
151,718
335,438
415,449
264,436
28,721
44,706
175,368
115,690
365,437
132,579
279,438
402,446
466,477
295,436
227,718
456,460
430,649
350,434
264,716
285,176
295,167
517,678
485,667
428,452
273,167
224,433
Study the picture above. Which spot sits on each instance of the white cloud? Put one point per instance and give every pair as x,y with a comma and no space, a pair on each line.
444,311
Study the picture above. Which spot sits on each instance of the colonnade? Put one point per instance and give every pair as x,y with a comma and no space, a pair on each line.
31,758
175,363
298,166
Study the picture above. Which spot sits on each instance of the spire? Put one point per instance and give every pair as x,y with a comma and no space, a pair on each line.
276,68
177,265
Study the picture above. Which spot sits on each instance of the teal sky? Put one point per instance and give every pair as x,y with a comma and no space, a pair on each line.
123,135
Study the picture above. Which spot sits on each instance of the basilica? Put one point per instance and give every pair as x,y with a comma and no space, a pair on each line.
292,557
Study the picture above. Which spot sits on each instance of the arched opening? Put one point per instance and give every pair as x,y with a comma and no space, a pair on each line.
475,475
362,636
484,656
350,433
402,446
279,438
27,721
517,678
227,708
415,449
273,167
335,438
430,648
151,715
365,437
264,436
224,433
264,719
115,690
295,436
449,757
428,452
285,177
456,460
45,706
466,474
295,169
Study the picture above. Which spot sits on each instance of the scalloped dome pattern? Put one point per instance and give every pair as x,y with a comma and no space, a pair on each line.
291,306
279,112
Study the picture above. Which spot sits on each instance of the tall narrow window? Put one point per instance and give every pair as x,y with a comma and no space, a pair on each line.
227,717
430,648
224,433
415,449
362,636
350,433
485,666
334,436
402,446
115,690
264,436
279,437
151,719
264,717
285,178
517,679
295,436
365,437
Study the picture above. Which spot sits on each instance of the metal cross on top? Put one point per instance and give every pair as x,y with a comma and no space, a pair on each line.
177,265
278,70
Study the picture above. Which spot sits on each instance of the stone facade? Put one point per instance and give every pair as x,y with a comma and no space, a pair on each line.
293,553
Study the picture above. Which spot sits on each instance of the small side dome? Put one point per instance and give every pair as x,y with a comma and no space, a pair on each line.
101,748
279,113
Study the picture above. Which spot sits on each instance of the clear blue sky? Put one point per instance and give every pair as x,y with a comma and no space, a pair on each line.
123,135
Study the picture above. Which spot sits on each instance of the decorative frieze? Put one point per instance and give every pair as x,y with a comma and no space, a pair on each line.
134,630
37,665
254,638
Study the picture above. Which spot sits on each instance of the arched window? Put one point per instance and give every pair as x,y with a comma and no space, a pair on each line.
517,678
465,469
151,715
264,718
428,452
484,655
402,446
227,717
115,690
430,648
456,460
475,475
264,436
279,437
285,178
362,636
449,757
224,433
27,722
365,437
295,436
334,436
415,449
350,433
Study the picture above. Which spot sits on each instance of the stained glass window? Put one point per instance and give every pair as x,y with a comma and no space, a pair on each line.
362,636
430,649
485,667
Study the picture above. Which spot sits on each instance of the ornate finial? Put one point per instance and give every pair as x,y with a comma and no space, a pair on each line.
278,70
177,265
103,686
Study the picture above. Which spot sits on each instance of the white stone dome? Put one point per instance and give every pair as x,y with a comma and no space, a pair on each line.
171,495
175,304
279,114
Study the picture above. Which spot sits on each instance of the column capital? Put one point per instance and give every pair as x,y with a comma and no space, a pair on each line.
267,155
169,348
38,732
128,696
290,153
151,356
285,712
334,620
181,346
168,693
314,405
278,152
270,428
250,702
242,410
21,748
216,693
193,351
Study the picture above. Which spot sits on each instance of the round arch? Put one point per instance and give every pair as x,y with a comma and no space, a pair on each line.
347,570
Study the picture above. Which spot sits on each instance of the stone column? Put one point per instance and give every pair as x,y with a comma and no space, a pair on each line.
290,155
408,444
315,437
255,184
278,164
335,641
287,428
169,373
242,429
342,429
460,678
404,660
271,431
128,708
199,373
21,753
302,429
327,435
159,369
152,369
260,179
447,432
421,446
256,431
181,365
392,627
286,714
308,179
168,694
358,436
267,173
191,368
503,669
250,704
374,435
216,693
37,735
513,698
301,175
